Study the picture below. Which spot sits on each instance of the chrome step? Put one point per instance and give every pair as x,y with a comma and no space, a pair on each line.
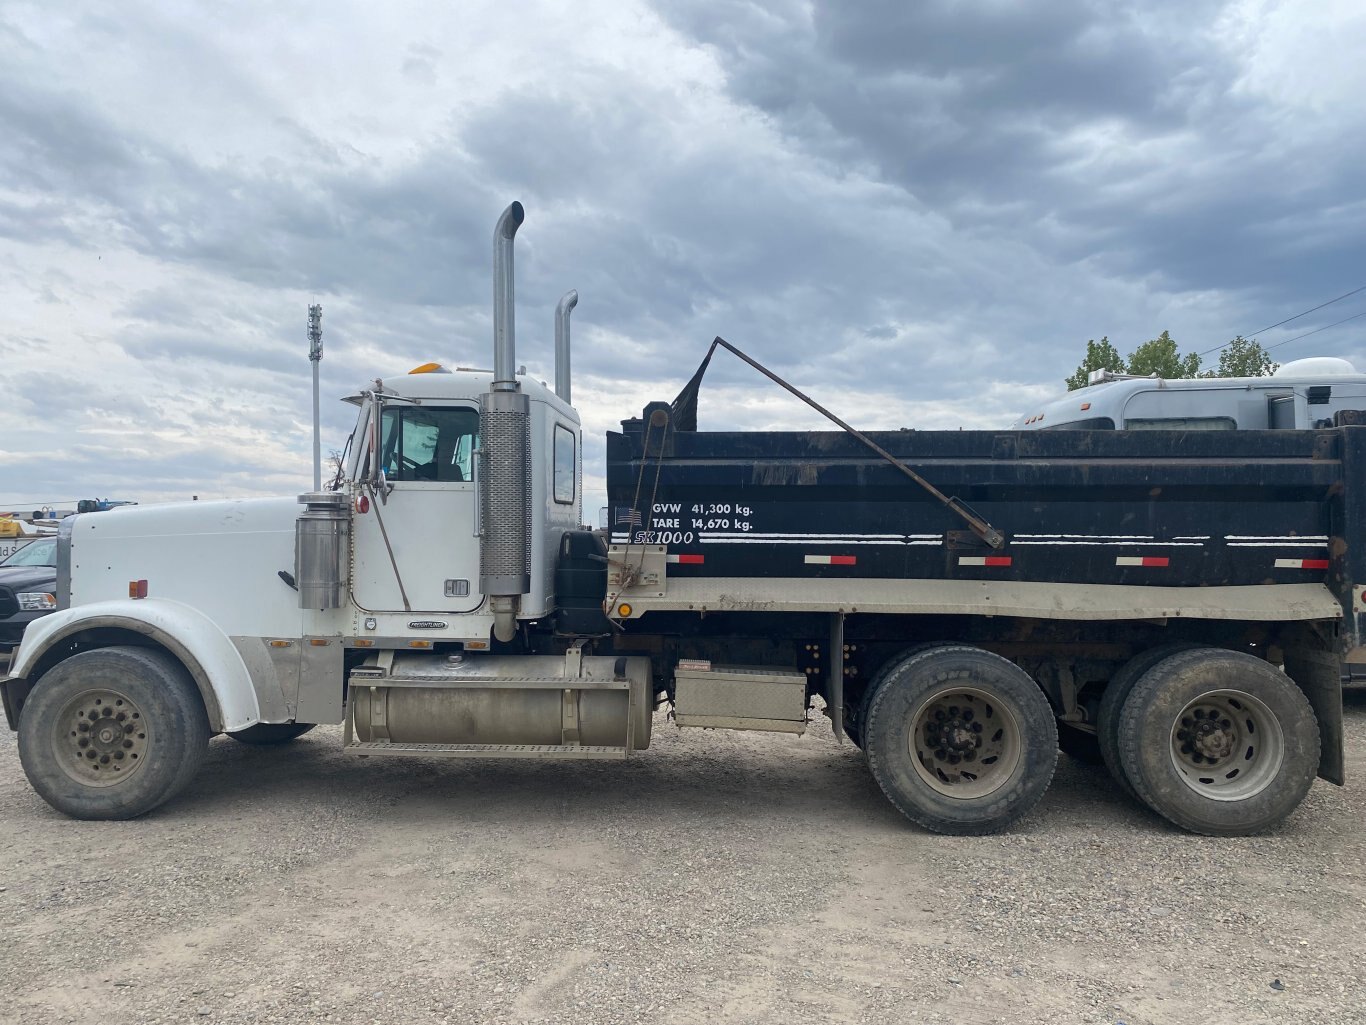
364,748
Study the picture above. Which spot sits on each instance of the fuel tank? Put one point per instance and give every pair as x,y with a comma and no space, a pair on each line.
545,701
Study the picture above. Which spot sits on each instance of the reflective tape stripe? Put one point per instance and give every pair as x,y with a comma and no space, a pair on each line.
1142,560
831,560
1301,563
984,560
687,560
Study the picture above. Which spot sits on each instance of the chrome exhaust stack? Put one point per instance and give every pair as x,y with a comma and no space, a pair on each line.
505,426
562,310
504,300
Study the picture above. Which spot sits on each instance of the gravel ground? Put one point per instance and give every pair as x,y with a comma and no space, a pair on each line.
718,877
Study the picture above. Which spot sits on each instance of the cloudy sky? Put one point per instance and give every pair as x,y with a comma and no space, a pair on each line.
917,211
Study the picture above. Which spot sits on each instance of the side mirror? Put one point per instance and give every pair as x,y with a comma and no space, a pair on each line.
376,474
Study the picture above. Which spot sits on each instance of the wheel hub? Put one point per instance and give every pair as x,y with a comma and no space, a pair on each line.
953,735
1206,736
965,745
1227,745
101,738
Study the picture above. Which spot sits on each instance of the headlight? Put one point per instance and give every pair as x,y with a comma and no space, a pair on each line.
36,601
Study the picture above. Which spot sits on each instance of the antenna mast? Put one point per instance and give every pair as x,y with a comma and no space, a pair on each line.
315,355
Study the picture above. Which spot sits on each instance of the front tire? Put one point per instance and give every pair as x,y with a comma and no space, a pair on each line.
112,733
961,740
1219,742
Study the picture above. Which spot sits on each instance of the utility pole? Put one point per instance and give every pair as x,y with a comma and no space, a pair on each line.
315,355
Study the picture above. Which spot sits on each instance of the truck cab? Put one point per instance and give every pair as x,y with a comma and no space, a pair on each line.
412,484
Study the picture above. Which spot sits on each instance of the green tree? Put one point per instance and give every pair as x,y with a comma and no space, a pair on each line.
1243,357
1160,356
1100,355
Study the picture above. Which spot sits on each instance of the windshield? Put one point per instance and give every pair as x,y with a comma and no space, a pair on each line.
35,553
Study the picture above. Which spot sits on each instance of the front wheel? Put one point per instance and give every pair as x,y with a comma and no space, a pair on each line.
1219,742
960,740
112,733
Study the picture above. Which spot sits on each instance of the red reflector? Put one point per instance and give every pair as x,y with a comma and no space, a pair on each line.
691,560
1315,563
137,589
363,504
842,560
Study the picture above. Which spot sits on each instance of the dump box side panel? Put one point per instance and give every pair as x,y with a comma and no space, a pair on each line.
1178,509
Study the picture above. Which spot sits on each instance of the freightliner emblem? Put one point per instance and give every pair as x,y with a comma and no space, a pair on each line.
426,624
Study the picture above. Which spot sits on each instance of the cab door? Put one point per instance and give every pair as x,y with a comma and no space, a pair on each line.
428,519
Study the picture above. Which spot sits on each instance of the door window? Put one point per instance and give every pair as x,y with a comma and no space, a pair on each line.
424,444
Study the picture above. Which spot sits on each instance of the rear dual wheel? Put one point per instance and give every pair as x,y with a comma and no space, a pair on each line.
857,711
1218,742
1117,691
960,740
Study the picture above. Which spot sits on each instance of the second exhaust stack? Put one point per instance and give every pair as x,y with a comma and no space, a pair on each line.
562,310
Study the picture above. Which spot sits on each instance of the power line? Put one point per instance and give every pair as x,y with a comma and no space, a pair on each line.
1320,306
1287,320
1316,330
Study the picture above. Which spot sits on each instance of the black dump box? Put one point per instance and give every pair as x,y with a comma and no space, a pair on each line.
1158,508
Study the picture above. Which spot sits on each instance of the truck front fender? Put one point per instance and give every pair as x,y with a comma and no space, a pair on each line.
205,651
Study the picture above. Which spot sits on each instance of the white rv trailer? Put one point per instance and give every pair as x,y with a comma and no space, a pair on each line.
1303,394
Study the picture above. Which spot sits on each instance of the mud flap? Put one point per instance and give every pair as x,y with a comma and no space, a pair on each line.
1318,674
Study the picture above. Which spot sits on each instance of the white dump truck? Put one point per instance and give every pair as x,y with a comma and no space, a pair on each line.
1184,601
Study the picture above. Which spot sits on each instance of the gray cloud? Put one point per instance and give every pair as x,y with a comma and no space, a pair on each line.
1114,134
919,212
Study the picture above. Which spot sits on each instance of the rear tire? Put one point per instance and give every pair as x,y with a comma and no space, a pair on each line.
853,726
1219,742
264,733
112,733
960,740
1112,701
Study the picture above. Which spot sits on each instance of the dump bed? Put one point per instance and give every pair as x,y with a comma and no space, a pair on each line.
1171,509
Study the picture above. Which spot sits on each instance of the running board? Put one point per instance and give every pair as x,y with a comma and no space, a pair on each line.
579,752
